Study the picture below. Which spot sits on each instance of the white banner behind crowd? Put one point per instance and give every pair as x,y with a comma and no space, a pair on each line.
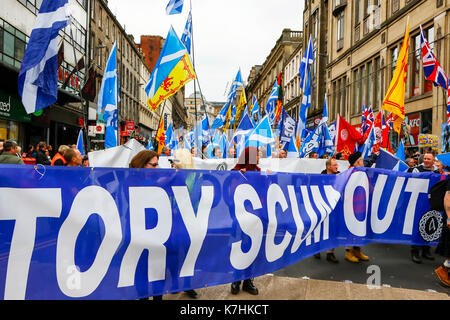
120,157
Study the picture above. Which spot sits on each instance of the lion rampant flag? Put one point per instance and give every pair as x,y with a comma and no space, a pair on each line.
161,135
172,71
394,101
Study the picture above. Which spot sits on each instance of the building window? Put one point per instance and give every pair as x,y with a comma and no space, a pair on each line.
340,30
394,56
415,76
357,12
12,44
395,6
100,17
370,84
363,78
356,91
377,83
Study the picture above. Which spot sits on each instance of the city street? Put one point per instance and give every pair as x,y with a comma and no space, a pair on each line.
397,269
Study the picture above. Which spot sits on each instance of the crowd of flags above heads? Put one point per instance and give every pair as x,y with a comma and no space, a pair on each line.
37,84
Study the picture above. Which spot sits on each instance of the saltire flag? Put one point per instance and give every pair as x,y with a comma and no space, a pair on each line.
387,160
222,119
292,150
401,152
431,67
366,148
346,137
307,60
38,75
261,135
150,145
271,103
80,145
255,111
108,98
223,144
186,37
160,135
168,135
174,7
189,139
219,122
302,115
244,128
319,140
205,130
394,101
172,71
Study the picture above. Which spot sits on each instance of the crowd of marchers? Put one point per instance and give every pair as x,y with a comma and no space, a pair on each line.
248,160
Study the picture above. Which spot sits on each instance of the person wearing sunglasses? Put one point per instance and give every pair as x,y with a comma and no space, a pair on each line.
145,159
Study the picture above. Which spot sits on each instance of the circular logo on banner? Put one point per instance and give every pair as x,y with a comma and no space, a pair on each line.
344,134
223,166
430,226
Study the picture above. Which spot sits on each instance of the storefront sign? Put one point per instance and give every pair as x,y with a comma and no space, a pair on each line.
414,121
12,108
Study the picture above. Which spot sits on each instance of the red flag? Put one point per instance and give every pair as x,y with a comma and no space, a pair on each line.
378,132
346,137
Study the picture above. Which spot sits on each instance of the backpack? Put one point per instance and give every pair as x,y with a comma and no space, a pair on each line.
436,195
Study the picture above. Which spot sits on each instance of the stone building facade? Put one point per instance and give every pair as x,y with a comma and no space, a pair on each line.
262,77
361,62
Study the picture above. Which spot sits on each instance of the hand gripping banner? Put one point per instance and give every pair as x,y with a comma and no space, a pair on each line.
113,233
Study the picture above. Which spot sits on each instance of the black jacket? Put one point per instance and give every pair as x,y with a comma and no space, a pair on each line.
41,158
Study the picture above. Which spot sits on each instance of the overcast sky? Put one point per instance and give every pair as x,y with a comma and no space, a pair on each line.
228,35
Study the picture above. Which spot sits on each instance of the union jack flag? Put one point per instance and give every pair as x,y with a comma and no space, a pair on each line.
390,121
448,102
367,118
431,67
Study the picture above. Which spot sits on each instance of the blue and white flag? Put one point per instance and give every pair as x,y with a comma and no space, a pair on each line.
219,122
205,130
187,33
292,151
302,115
255,111
401,152
108,98
244,128
80,145
271,103
38,75
367,147
150,145
261,135
174,7
288,126
319,140
168,135
223,144
307,60
387,160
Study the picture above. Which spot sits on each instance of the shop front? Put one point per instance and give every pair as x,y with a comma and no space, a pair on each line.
12,118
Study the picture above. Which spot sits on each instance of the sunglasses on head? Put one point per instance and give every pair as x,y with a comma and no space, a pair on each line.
153,164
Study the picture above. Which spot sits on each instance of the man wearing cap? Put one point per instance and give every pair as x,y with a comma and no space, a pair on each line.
355,254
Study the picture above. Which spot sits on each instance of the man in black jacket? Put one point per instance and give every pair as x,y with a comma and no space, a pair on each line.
426,166
41,155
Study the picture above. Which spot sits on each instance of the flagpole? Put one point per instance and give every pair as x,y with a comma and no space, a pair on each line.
83,102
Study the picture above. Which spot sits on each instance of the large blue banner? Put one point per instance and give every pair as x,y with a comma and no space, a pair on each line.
102,233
